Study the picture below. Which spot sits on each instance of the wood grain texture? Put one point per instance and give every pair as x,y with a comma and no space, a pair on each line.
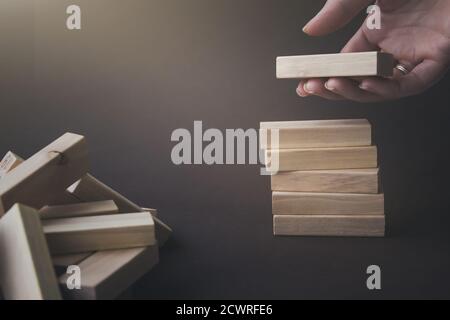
26,270
85,209
302,203
359,64
40,179
106,274
86,234
91,189
318,134
331,226
364,181
8,163
325,158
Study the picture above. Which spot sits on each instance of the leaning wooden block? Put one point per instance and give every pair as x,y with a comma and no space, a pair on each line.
39,180
162,230
127,295
317,134
330,226
62,262
63,198
8,163
324,158
85,209
359,64
364,181
302,203
154,212
67,260
26,270
86,234
106,274
91,189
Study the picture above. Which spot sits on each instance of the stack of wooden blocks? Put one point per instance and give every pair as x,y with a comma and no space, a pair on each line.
54,215
328,178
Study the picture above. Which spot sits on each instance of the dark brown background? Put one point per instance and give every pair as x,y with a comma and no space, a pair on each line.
140,69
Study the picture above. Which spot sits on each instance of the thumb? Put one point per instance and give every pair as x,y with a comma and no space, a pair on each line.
334,15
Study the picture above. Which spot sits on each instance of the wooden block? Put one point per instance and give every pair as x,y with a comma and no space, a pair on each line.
39,180
359,64
8,163
328,181
332,226
106,274
64,261
154,212
86,209
127,295
318,134
91,189
69,259
26,270
324,158
86,234
61,198
302,203
162,230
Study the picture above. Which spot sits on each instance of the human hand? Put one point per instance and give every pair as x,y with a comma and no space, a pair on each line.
416,32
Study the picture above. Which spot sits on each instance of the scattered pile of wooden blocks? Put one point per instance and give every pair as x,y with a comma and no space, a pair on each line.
328,179
54,214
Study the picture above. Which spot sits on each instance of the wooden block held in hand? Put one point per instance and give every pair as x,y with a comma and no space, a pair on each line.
85,209
364,181
357,64
106,274
325,158
329,226
26,270
91,189
318,134
8,163
86,234
40,179
302,203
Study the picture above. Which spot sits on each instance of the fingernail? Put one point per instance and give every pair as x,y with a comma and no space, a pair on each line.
329,87
305,28
300,93
363,86
307,87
